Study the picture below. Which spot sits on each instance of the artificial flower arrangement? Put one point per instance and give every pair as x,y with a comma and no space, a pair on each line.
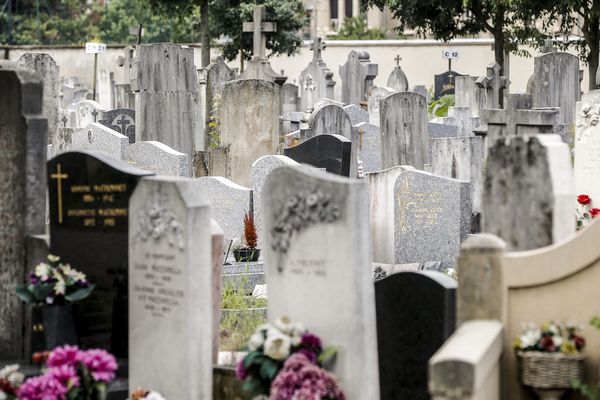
69,374
285,361
10,380
143,394
54,283
584,213
552,337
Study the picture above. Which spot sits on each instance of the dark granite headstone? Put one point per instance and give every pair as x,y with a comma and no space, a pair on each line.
89,209
444,83
331,152
415,316
121,120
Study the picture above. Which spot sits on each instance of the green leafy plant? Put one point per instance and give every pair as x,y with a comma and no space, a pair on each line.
439,107
214,123
54,283
356,28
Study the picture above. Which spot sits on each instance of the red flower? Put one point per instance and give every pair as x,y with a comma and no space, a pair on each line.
584,199
594,212
579,342
547,343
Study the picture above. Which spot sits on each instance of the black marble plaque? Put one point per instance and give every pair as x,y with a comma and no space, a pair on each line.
331,152
415,316
121,120
89,211
444,83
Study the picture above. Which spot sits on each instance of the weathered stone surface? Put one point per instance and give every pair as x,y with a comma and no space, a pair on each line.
105,88
122,121
462,119
405,339
314,286
369,146
159,158
357,114
22,192
441,130
377,93
176,73
172,325
88,112
261,169
49,74
460,158
289,98
587,147
316,81
467,94
217,73
357,76
63,142
405,140
492,86
528,191
249,125
97,137
556,84
228,202
422,90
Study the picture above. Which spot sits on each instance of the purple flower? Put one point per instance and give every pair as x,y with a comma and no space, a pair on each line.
65,374
311,355
66,355
101,364
33,279
82,283
311,341
241,372
43,387
300,379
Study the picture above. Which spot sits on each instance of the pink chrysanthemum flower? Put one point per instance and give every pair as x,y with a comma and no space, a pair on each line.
43,387
101,364
66,355
65,374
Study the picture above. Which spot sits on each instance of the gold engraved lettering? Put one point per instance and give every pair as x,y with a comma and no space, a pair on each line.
81,189
110,187
112,212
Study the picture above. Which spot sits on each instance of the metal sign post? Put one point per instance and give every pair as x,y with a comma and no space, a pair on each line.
95,49
450,54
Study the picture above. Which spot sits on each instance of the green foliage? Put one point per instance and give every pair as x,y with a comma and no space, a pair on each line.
439,107
356,28
228,16
595,322
591,392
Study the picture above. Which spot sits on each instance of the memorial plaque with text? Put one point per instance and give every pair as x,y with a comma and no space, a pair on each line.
89,210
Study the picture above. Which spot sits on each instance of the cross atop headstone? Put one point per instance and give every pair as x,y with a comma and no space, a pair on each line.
259,28
548,46
398,59
493,83
317,47
123,122
95,114
64,121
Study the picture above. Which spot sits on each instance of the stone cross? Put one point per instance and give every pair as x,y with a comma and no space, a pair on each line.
124,121
64,121
317,47
95,114
548,46
398,59
493,83
259,28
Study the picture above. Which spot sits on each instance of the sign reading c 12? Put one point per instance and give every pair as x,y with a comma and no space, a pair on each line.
450,54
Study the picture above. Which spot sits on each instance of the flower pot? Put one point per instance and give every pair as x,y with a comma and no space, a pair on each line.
540,370
246,255
52,326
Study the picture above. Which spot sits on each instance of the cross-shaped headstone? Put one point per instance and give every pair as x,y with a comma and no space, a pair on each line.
95,114
317,47
398,59
259,28
64,121
493,84
123,121
548,46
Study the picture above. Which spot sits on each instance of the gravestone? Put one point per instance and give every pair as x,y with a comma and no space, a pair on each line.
23,196
357,114
306,209
122,121
422,90
49,73
518,118
357,76
159,158
228,202
217,73
249,125
165,82
415,316
62,142
556,84
316,80
289,98
492,86
460,158
397,79
89,210
369,146
171,289
261,169
96,137
528,191
587,147
377,93
462,119
331,119
405,140
444,83
88,112
259,67
331,152
105,88
441,130
468,94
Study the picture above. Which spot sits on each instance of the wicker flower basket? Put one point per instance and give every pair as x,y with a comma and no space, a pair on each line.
542,370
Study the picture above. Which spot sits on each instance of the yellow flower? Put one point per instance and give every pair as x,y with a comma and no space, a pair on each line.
517,343
568,347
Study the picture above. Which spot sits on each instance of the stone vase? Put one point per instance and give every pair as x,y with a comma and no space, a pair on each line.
52,326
